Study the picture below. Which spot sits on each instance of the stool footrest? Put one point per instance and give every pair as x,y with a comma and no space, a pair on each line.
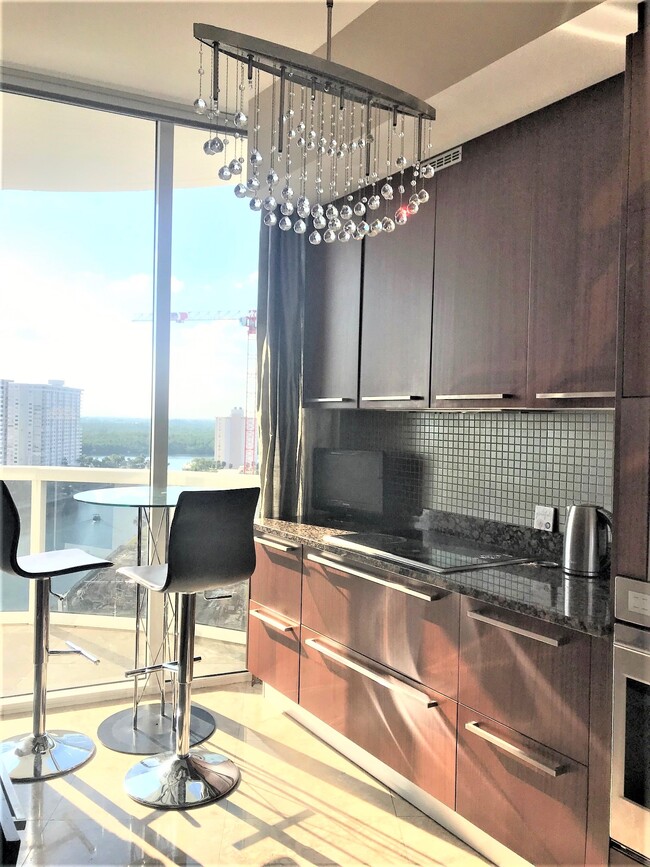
74,648
161,666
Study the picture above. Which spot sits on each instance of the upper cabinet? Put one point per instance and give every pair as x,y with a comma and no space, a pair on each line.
482,267
635,306
332,320
396,318
575,250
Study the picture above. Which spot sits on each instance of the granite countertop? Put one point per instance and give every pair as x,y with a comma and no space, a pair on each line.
539,591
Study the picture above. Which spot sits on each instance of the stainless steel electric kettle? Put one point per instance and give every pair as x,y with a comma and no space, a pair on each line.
587,540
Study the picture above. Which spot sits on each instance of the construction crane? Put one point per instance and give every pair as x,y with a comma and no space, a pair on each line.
249,321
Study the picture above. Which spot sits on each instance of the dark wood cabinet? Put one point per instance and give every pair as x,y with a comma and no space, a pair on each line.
632,489
575,249
273,647
332,322
276,581
635,306
482,270
397,308
527,674
409,727
365,609
530,798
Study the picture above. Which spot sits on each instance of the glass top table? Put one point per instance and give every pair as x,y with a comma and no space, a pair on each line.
138,496
147,728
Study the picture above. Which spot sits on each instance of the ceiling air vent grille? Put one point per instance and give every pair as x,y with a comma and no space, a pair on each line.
448,158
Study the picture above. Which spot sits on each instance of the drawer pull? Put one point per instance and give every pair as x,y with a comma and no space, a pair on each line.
393,685
517,752
471,396
518,630
391,584
272,621
330,400
573,395
389,397
278,546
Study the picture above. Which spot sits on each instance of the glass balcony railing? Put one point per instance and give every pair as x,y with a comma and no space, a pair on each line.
97,610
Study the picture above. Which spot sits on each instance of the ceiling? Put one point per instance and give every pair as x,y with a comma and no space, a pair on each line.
481,63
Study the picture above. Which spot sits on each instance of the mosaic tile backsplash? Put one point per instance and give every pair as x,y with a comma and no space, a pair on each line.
495,466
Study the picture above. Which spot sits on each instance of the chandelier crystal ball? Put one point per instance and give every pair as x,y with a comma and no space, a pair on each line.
330,129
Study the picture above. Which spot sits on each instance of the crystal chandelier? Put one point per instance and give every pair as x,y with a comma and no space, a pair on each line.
330,129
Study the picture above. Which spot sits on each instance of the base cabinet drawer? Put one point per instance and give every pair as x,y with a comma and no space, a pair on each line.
412,629
276,581
273,652
530,798
529,675
409,727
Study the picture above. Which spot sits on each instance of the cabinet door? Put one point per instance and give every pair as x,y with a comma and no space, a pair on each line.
332,320
405,725
529,798
527,674
396,318
273,649
357,606
636,297
482,268
632,486
276,581
575,250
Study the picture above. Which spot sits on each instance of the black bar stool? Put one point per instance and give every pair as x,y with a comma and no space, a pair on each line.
42,754
210,546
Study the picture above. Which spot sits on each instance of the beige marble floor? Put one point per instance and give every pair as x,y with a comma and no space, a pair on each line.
299,803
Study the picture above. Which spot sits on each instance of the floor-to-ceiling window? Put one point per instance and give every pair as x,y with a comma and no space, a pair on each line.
77,253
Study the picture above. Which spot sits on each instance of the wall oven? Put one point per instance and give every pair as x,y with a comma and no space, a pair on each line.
630,805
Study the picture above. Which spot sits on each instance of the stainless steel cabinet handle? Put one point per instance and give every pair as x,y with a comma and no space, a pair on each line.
573,395
279,546
393,685
517,752
472,396
388,397
329,400
518,630
272,621
391,584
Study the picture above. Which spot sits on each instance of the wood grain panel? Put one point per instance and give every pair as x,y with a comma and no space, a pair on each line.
413,636
272,655
416,741
537,689
482,268
636,306
397,308
632,489
541,818
639,75
575,250
332,321
276,581
600,744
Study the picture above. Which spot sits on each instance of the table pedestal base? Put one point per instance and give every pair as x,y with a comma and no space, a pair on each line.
154,733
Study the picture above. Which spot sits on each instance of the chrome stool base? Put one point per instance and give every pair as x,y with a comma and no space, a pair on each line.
29,757
171,782
154,732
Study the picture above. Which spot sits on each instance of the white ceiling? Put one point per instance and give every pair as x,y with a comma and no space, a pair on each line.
481,64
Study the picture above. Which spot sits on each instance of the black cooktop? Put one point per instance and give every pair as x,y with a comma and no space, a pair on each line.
443,556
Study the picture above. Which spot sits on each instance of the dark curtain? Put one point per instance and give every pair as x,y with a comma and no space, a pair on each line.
279,350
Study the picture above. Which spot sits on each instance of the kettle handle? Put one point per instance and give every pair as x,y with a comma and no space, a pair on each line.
609,518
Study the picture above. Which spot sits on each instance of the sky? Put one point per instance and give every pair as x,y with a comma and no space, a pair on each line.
76,271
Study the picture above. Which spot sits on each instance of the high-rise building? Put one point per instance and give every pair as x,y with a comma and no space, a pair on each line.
229,438
40,425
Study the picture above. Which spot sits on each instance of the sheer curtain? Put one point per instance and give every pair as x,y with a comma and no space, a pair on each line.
279,349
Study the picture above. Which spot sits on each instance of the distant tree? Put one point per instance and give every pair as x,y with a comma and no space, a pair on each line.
202,465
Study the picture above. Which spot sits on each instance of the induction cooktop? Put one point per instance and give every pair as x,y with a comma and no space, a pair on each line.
441,556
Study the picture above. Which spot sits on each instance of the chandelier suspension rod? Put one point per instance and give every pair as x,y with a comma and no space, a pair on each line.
330,6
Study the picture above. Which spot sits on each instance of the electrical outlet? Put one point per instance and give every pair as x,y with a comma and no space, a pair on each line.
545,518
